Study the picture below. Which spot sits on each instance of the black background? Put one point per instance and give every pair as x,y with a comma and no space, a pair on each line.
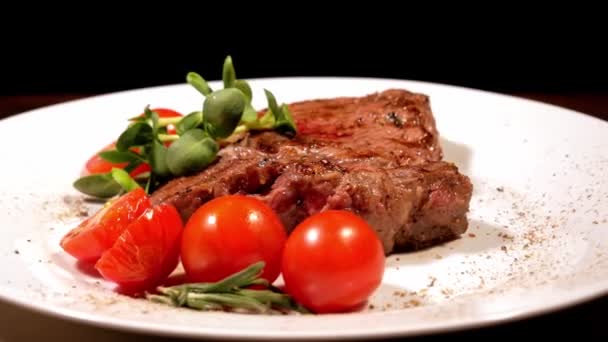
513,53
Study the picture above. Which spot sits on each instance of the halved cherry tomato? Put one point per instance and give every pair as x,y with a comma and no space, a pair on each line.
91,238
146,252
96,164
228,234
332,262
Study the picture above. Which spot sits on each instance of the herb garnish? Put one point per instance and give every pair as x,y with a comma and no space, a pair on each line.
231,293
225,112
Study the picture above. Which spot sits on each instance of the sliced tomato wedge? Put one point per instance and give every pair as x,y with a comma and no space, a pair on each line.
91,238
147,252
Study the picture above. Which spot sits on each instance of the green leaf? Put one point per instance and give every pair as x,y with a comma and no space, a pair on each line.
272,103
154,118
133,165
149,188
147,112
188,122
243,86
222,111
115,156
199,83
98,185
285,123
250,115
267,120
228,73
137,134
138,119
191,153
123,178
158,161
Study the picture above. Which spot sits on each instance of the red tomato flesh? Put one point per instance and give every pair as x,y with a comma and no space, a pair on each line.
92,237
147,252
332,262
228,234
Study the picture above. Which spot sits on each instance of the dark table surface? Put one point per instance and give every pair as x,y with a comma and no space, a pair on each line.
587,320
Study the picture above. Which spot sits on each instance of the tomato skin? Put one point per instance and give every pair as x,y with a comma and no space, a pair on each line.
332,262
228,234
92,237
97,165
147,252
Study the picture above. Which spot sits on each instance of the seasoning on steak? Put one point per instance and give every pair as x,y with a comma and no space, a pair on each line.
377,155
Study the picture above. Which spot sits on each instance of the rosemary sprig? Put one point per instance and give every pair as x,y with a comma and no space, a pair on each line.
230,293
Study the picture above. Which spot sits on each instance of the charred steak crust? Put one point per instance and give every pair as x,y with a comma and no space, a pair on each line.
377,155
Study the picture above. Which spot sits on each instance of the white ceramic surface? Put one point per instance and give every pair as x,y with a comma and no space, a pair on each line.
538,236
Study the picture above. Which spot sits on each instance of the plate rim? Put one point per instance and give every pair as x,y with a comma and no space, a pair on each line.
152,329
589,294
310,78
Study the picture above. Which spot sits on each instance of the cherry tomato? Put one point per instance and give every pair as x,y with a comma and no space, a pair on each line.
91,238
332,262
146,252
96,164
228,234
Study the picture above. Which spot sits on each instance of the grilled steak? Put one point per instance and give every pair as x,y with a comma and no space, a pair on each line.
377,155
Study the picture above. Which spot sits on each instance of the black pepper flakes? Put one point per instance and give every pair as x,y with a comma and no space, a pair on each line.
394,119
17,251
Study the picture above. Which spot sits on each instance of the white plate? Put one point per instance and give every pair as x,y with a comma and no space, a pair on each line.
537,240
